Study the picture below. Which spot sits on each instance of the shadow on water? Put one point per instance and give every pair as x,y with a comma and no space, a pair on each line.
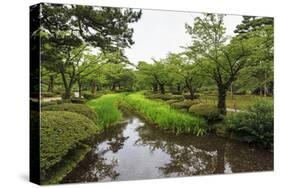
135,150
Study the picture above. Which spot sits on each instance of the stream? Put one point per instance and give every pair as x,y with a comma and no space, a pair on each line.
136,150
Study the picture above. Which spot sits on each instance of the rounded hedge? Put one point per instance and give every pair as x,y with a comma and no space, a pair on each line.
161,96
60,132
177,97
186,104
78,108
208,111
172,101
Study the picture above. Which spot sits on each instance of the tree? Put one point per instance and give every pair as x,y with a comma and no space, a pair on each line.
260,31
222,62
185,70
67,31
157,74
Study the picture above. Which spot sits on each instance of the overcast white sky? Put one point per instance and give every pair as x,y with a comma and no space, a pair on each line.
159,32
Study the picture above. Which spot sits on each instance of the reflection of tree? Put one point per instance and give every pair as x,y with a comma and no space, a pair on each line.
189,155
95,166
192,155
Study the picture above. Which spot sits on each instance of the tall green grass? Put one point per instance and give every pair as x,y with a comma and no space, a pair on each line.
164,116
106,108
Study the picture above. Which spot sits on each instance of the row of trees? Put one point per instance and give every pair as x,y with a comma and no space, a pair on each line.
83,47
245,60
70,33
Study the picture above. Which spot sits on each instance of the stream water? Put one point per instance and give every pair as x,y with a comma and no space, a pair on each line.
136,150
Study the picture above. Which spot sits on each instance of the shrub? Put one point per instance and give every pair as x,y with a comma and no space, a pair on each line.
77,100
187,96
88,95
254,125
177,97
48,103
172,101
186,104
208,111
161,96
61,132
78,108
47,94
164,116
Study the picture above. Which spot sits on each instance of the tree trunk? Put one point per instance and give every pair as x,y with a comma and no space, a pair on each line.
162,88
191,90
155,88
51,84
221,100
67,94
113,87
178,88
93,87
265,87
79,88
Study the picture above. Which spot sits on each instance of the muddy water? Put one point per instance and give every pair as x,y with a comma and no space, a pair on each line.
135,150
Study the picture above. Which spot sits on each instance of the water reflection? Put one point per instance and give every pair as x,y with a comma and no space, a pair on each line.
135,150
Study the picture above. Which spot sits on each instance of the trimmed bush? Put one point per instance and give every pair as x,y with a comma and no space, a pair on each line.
160,96
186,104
172,101
48,103
208,111
78,108
187,96
77,100
255,125
177,97
48,94
61,132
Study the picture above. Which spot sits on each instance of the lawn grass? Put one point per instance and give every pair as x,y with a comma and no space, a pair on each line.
239,102
106,108
164,116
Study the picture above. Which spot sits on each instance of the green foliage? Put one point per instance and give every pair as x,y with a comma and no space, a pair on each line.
255,125
89,95
106,108
77,108
164,116
61,132
208,111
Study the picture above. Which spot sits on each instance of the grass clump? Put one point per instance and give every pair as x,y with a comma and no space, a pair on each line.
61,133
106,108
208,111
77,108
254,125
166,117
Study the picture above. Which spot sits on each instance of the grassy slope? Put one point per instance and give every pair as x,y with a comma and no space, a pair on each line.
106,108
164,116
